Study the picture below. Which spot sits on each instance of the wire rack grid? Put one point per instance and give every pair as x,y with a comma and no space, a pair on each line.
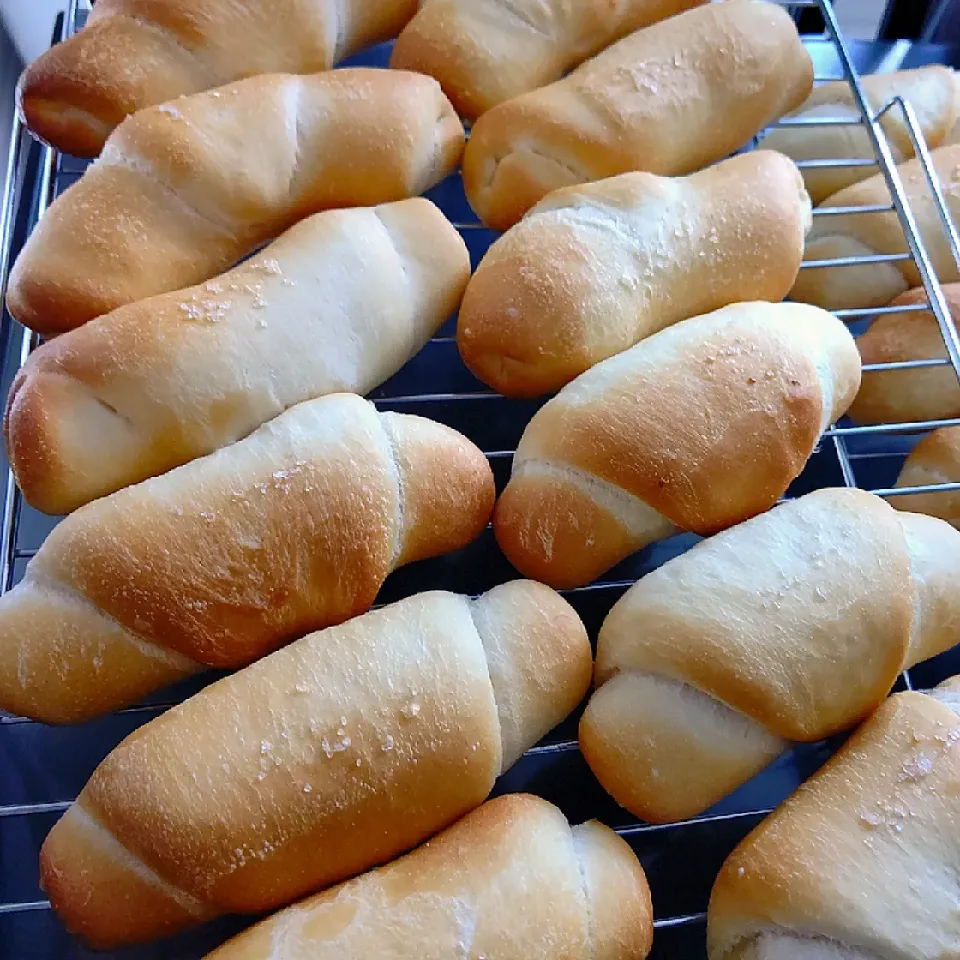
42,769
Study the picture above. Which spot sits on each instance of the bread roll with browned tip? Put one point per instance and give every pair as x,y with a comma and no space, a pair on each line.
669,99
484,51
594,269
793,626
333,755
930,90
511,881
136,53
934,460
861,863
339,303
698,428
869,234
229,557
184,190
914,393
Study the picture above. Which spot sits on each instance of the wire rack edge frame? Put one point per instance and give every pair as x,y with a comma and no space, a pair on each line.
13,197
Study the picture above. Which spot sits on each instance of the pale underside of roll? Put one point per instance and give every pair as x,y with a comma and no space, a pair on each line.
698,427
338,304
334,755
485,51
934,460
229,557
134,54
511,881
868,234
862,862
932,91
913,394
182,191
594,269
793,626
669,99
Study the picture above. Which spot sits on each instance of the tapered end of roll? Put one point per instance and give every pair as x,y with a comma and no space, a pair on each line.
935,459
66,447
665,751
63,661
539,658
503,182
81,865
541,517
446,486
618,897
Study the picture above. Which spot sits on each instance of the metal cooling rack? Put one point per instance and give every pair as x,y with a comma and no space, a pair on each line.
43,768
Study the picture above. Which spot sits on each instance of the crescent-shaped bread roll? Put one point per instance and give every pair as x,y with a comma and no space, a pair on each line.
184,190
227,558
511,881
594,269
868,234
862,863
913,394
934,460
931,91
698,427
134,54
790,627
486,51
329,757
339,303
669,99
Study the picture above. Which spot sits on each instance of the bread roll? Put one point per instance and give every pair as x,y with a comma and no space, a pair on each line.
339,303
934,460
699,427
335,754
184,190
862,862
790,627
867,234
669,100
484,52
136,53
227,558
912,394
594,269
511,881
931,91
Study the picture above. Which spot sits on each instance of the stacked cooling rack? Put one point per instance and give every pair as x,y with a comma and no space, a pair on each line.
42,769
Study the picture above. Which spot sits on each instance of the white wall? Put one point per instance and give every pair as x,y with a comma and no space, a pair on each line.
30,24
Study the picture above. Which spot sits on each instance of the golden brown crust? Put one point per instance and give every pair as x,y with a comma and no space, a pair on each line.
876,285
650,102
831,570
507,881
934,460
911,395
594,269
162,381
821,866
621,912
702,425
486,51
184,190
137,53
229,557
336,754
791,627
931,91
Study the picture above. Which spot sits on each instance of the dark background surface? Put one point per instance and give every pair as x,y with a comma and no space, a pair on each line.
41,765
